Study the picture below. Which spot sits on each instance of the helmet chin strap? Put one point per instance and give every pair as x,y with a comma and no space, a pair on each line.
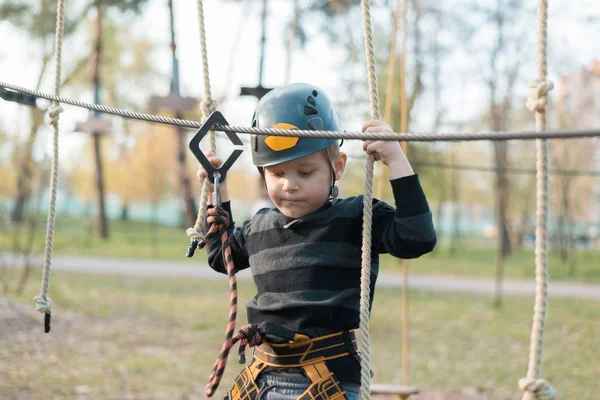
334,191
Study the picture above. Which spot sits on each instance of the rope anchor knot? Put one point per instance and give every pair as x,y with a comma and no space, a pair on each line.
540,389
538,99
248,336
54,112
208,106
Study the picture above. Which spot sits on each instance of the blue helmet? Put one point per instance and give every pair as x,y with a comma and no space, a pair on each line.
295,106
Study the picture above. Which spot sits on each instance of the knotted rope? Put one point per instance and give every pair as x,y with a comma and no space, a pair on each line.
248,336
43,303
219,221
365,279
535,388
207,106
538,388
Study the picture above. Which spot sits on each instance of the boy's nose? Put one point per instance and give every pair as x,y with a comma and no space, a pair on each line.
290,186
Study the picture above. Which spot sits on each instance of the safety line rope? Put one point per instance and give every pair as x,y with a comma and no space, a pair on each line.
408,137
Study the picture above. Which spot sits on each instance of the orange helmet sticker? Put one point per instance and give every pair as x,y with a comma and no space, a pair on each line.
279,143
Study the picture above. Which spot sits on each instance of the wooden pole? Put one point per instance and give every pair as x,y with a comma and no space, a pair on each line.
387,115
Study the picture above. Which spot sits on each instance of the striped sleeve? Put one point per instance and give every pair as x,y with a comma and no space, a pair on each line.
406,231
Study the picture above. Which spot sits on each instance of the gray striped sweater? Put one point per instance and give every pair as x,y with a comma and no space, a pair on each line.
307,270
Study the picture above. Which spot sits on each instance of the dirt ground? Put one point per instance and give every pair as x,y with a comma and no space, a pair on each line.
24,350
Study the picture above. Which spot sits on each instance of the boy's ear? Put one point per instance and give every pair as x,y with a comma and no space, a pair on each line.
340,165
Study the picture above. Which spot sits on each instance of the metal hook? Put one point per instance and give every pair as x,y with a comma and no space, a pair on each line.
216,118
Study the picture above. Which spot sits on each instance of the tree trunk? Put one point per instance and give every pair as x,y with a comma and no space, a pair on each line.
456,216
500,150
25,170
124,211
102,220
154,230
189,205
439,212
502,238
31,235
190,210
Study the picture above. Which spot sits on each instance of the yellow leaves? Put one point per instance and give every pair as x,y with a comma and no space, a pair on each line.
7,181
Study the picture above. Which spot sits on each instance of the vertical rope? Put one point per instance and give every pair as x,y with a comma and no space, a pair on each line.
208,105
404,129
532,385
43,302
365,282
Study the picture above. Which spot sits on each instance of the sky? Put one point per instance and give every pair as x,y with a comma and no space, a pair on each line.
319,63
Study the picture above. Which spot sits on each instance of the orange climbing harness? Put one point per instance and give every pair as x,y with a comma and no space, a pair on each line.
309,355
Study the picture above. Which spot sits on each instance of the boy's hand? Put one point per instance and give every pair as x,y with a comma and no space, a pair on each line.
389,152
214,160
201,174
386,151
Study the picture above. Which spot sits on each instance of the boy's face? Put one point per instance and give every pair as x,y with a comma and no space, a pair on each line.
301,186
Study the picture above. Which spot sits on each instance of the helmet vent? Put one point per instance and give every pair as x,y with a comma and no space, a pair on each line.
315,93
310,111
311,100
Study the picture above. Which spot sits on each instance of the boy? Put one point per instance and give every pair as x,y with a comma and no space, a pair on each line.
305,253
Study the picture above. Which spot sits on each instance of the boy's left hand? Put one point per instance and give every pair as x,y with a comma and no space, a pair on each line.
386,151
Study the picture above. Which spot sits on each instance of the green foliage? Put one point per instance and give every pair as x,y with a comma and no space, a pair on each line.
38,18
134,6
333,8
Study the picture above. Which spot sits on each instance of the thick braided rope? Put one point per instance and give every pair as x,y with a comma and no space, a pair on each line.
535,388
207,106
220,221
393,136
43,303
365,280
248,336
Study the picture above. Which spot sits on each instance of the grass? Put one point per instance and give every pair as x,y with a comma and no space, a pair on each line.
115,337
480,262
135,240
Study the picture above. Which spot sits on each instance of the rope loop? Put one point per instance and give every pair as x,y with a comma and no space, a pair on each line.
54,112
208,106
248,336
219,220
540,389
194,234
43,304
538,99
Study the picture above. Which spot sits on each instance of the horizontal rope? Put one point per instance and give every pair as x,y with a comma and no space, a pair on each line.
510,170
405,137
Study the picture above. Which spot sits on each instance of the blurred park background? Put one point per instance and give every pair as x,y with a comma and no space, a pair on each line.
127,189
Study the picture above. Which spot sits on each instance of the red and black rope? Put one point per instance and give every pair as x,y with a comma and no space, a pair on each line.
219,221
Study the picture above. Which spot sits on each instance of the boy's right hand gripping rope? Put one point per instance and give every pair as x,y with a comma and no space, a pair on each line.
219,221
